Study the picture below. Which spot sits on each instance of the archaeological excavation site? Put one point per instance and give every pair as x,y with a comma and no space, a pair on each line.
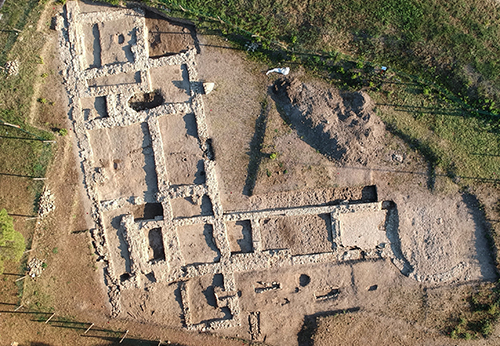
226,201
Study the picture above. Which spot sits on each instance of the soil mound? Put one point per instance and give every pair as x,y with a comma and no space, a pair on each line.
343,126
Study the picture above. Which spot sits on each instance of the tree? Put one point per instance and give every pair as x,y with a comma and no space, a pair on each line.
12,244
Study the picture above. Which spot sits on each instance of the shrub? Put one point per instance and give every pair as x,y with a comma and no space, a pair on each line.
62,132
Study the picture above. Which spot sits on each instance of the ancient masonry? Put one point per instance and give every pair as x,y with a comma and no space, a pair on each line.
173,267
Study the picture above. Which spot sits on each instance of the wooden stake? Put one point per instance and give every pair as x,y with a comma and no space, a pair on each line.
20,306
21,278
89,328
123,337
14,29
48,319
11,125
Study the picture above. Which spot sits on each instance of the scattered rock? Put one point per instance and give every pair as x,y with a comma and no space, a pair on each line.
46,204
100,176
397,157
12,67
35,267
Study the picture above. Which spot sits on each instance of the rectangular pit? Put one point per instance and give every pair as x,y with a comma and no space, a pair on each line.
116,40
183,154
166,37
172,81
115,238
301,234
92,45
125,158
240,236
189,207
156,250
94,108
364,230
202,301
197,244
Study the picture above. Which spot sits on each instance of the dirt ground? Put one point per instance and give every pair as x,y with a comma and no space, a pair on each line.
330,149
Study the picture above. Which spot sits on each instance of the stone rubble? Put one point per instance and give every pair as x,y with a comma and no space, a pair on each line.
12,67
35,267
46,203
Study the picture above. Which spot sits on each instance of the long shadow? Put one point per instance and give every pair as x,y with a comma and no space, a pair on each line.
18,175
484,243
26,312
24,138
419,109
209,291
128,48
96,46
305,336
392,232
123,247
178,299
149,165
255,153
21,215
208,234
479,154
224,47
488,121
486,180
130,341
424,149
314,135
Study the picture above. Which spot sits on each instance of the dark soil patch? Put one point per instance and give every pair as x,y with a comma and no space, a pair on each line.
140,102
168,37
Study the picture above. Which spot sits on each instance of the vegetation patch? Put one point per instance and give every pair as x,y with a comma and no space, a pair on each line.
478,321
12,244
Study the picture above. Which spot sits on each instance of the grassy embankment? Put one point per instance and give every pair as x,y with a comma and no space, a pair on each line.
23,154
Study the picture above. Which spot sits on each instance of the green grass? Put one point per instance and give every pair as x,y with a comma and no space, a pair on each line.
22,151
459,144
445,41
479,319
